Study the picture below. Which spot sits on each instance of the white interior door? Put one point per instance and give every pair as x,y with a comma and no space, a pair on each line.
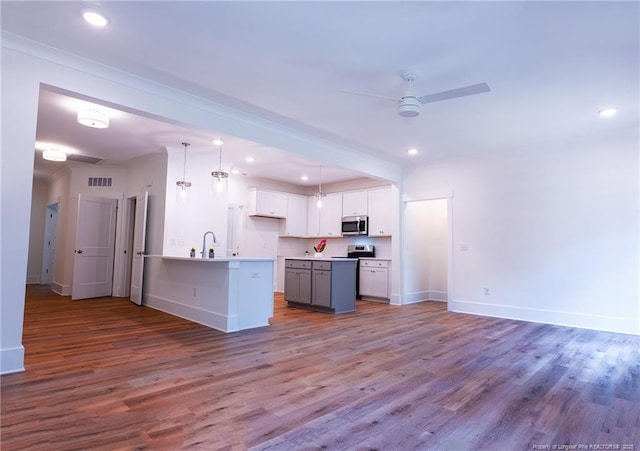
95,246
139,237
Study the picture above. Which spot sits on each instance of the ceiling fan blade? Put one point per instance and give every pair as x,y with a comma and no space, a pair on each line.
369,95
453,93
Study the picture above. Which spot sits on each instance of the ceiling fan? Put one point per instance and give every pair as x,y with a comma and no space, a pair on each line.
409,104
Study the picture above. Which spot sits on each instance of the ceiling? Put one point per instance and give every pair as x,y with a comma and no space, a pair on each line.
551,67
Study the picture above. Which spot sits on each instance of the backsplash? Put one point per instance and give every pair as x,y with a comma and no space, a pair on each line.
336,247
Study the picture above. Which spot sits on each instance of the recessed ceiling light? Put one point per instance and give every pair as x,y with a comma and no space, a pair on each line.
304,177
249,159
217,141
607,112
412,151
96,19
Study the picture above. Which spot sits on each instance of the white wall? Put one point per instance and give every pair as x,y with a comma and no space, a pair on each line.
203,209
36,230
19,94
149,173
553,233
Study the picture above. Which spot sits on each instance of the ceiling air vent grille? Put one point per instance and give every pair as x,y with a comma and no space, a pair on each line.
100,181
83,159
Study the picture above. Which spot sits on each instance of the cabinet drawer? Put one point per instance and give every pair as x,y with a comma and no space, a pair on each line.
322,265
301,264
374,263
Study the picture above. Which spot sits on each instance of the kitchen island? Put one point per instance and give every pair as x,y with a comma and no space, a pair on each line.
321,284
227,294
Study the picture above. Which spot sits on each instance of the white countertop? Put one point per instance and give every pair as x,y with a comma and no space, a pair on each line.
323,259
214,260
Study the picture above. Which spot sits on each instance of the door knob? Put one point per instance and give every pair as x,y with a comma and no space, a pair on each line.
79,251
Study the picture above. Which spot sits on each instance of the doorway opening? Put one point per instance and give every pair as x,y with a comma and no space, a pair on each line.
426,247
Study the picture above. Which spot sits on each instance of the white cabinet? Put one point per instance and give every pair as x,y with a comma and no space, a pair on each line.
331,216
354,203
326,221
296,223
313,217
380,212
267,203
374,279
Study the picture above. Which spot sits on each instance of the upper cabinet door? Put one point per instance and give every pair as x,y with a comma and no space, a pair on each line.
313,217
331,216
296,223
267,203
354,203
380,212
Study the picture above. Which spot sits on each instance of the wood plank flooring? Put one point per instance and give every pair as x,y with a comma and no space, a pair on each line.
104,374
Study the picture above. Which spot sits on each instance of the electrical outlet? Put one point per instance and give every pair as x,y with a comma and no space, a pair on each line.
487,292
464,247
195,292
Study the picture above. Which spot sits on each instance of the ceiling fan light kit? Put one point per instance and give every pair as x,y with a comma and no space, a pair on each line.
409,107
409,103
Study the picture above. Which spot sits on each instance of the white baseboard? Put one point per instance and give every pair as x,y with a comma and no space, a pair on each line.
206,318
12,360
33,279
62,290
559,318
421,296
442,296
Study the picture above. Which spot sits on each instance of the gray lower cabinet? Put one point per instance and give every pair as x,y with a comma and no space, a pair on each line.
326,286
297,281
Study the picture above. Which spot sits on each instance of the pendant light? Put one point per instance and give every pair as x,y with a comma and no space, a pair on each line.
183,185
219,174
319,195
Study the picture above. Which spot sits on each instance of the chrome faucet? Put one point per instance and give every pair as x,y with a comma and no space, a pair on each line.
204,242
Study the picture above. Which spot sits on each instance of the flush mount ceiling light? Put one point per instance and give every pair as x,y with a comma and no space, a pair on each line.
54,154
412,151
607,112
95,18
92,117
219,174
183,185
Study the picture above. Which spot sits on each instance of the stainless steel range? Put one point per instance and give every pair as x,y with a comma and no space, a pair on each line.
360,251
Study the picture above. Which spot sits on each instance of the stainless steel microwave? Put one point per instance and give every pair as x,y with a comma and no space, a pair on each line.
355,225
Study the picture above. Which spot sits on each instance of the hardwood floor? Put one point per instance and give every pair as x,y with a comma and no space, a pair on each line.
106,374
